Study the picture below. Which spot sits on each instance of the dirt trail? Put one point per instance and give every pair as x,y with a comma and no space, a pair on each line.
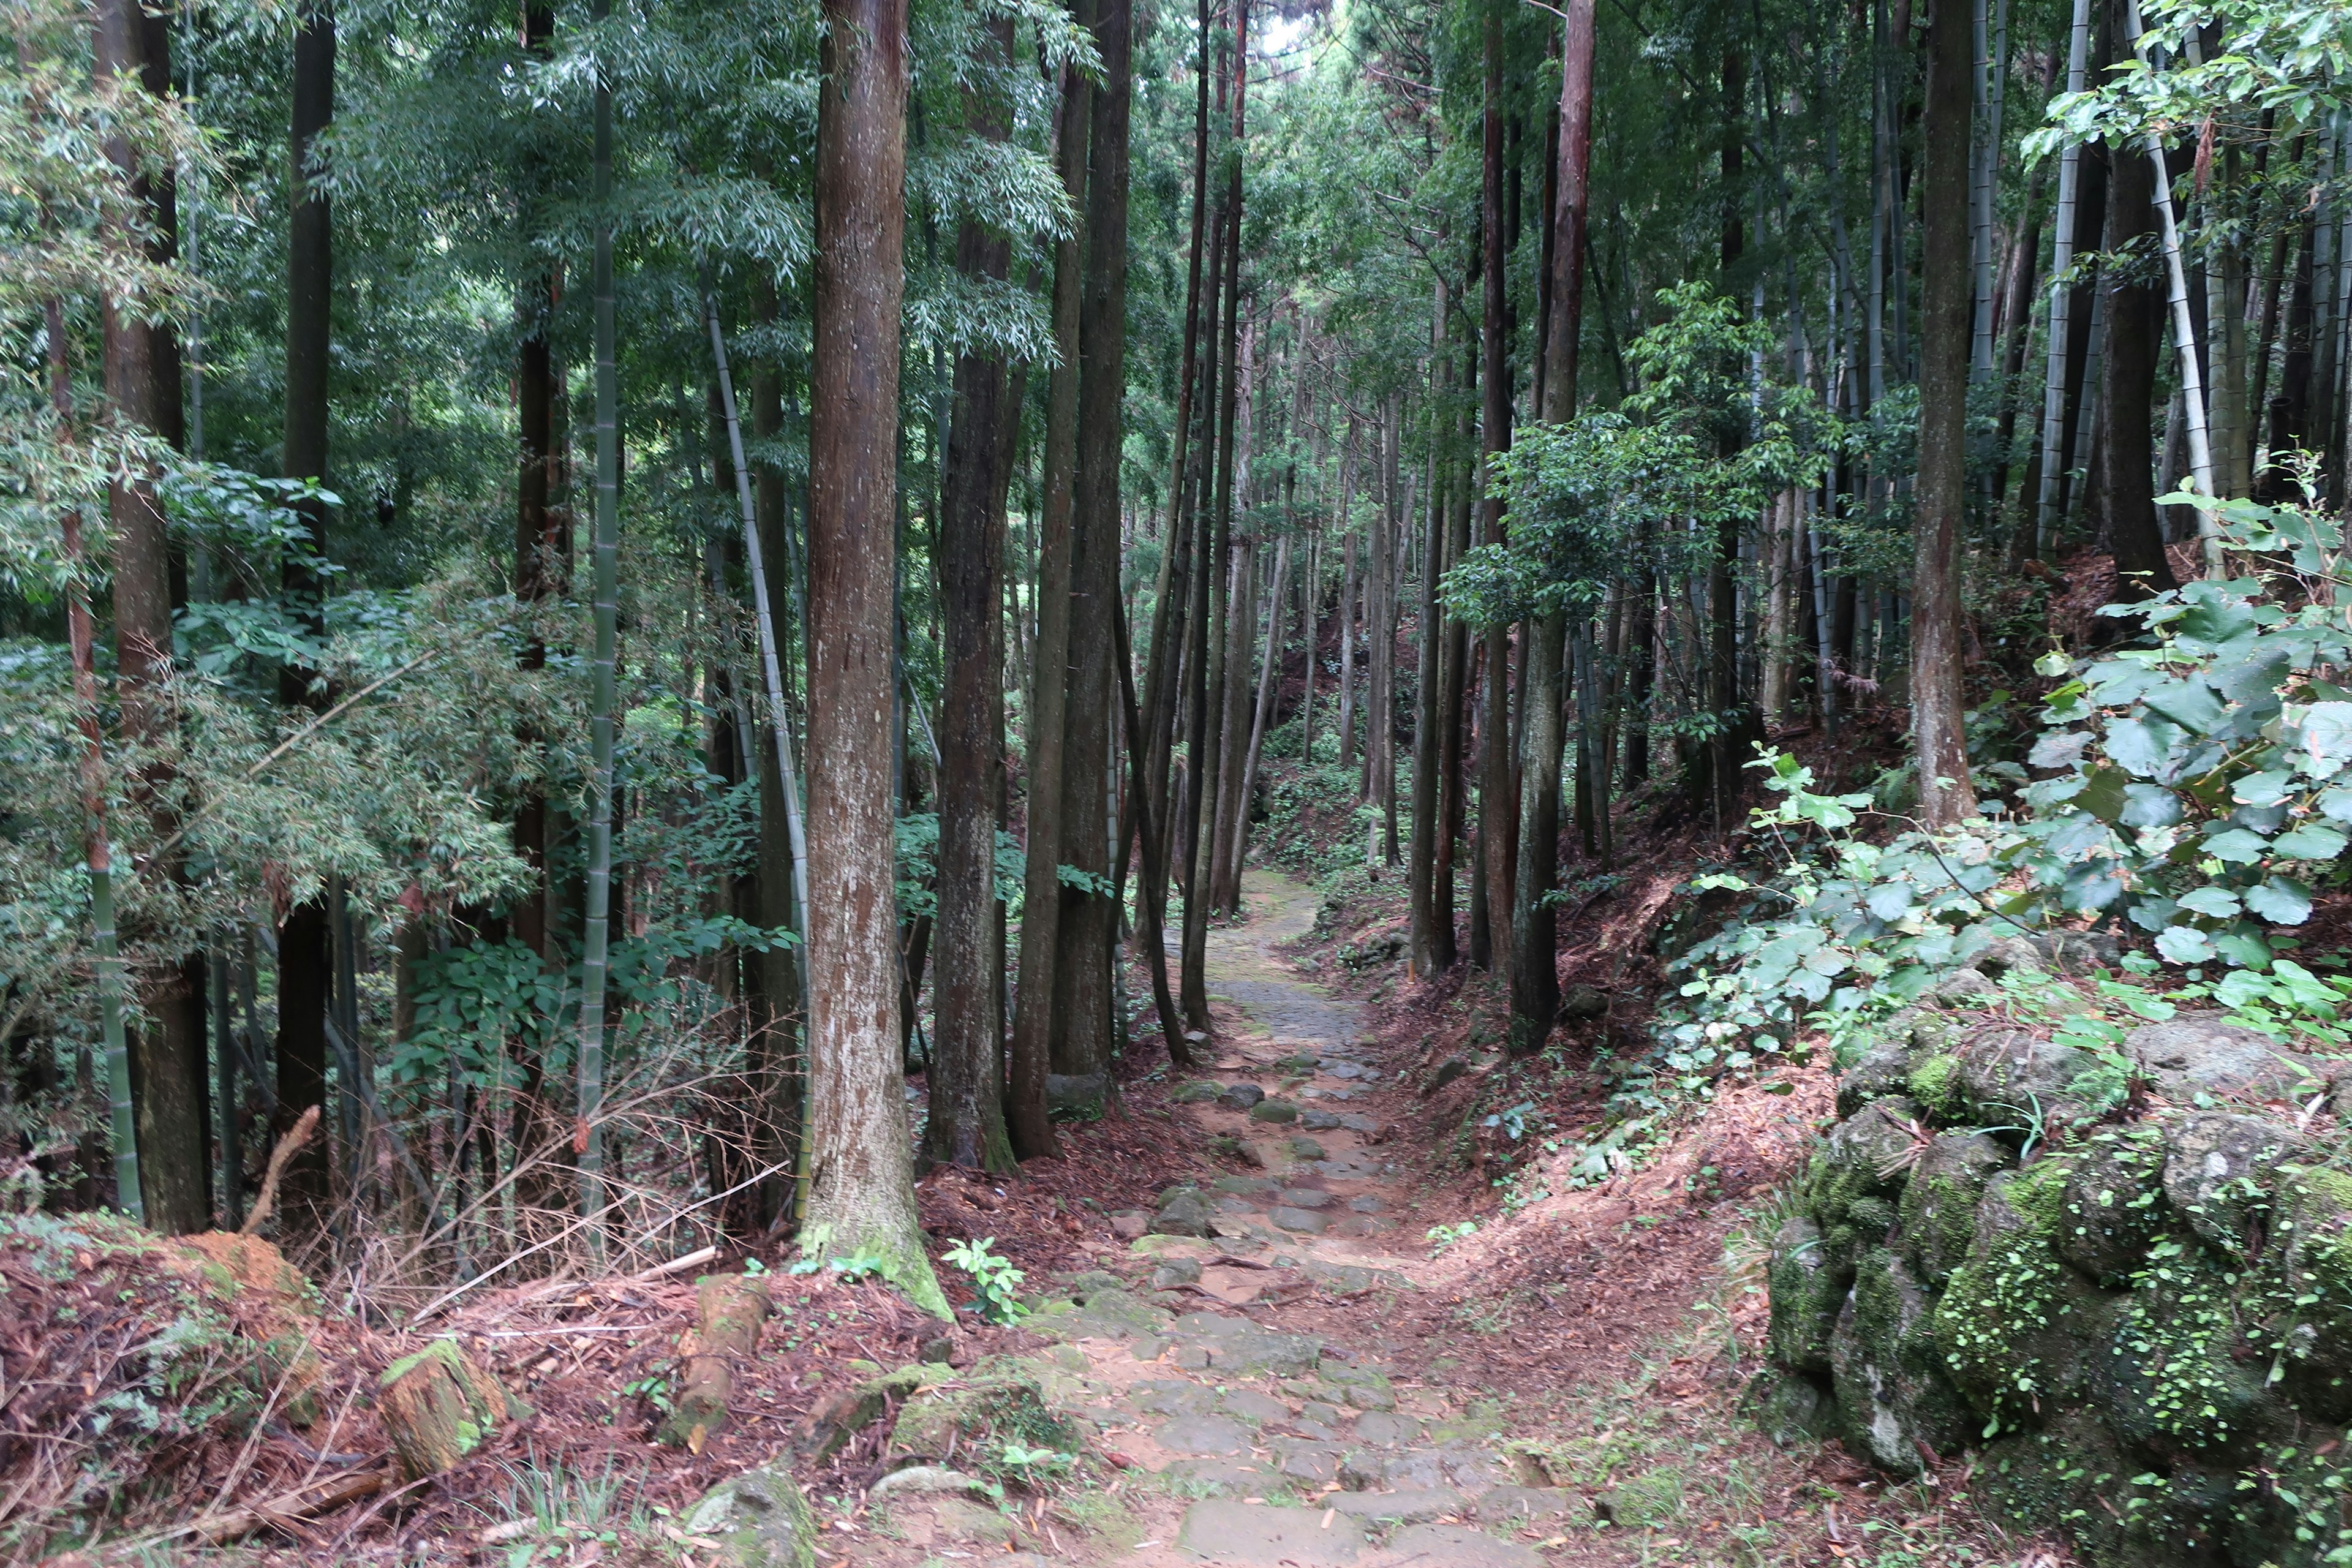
1303,1446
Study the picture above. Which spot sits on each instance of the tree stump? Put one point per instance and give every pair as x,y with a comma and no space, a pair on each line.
438,1406
729,1310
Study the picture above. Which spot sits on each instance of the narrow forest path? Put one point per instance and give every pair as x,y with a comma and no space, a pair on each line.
1310,1445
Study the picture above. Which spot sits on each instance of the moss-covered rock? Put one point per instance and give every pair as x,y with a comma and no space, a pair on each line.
2064,1479
1938,1212
1852,1187
2172,1375
2111,1204
2311,1322
1887,1370
966,1419
759,1520
2016,1327
1807,1290
2218,1168
1885,1065
2009,1077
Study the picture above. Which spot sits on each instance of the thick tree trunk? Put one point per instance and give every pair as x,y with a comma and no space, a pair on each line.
862,1190
1348,595
1241,624
1535,984
1269,676
1086,947
304,943
966,1125
1033,1024
1938,742
1200,617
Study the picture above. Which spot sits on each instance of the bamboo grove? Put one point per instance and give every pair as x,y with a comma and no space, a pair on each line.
595,590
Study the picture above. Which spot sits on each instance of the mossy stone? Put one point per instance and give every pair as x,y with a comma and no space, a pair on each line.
1938,1212
1001,1399
2016,1327
1807,1288
759,1520
1274,1111
2113,1204
1888,1371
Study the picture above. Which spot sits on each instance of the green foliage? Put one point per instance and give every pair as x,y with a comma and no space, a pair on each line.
996,1283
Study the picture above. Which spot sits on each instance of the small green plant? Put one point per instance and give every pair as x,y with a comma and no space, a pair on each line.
994,1280
1442,1236
1032,1466
653,1389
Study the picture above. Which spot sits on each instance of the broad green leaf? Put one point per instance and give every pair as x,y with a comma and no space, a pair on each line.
2328,734
2310,841
2238,845
2219,902
2280,900
2184,944
2268,787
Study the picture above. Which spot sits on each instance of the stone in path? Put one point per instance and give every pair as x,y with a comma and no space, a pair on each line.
1210,1435
1455,1546
1220,1531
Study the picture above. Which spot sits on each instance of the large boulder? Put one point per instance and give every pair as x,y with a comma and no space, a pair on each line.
2015,1325
2113,1205
1859,1172
1898,1048
1185,1212
2198,1053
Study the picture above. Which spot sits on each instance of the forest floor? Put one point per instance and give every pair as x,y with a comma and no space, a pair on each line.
1367,1365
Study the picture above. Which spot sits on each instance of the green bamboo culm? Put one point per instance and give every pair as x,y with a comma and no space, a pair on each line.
588,1141
118,1048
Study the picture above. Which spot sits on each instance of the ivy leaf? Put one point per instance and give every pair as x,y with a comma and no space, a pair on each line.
2245,949
2280,900
2336,803
2184,944
2189,704
2149,806
2140,746
2058,748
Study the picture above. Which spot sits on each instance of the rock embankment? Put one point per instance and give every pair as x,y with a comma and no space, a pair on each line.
2123,1272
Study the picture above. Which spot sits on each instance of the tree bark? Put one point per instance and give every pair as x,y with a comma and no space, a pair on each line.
1032,1020
1086,947
1498,800
304,943
1428,946
862,1192
1534,981
966,1125
1939,744
2133,350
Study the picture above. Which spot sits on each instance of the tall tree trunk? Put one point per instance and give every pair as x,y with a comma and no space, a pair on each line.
1453,785
1534,981
604,572
2134,342
1033,1024
1241,623
1161,698
1382,733
1269,676
1938,742
1217,574
1497,803
1348,593
966,1125
1083,1031
304,943
1200,616
1428,945
2064,295
862,1192
1737,728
